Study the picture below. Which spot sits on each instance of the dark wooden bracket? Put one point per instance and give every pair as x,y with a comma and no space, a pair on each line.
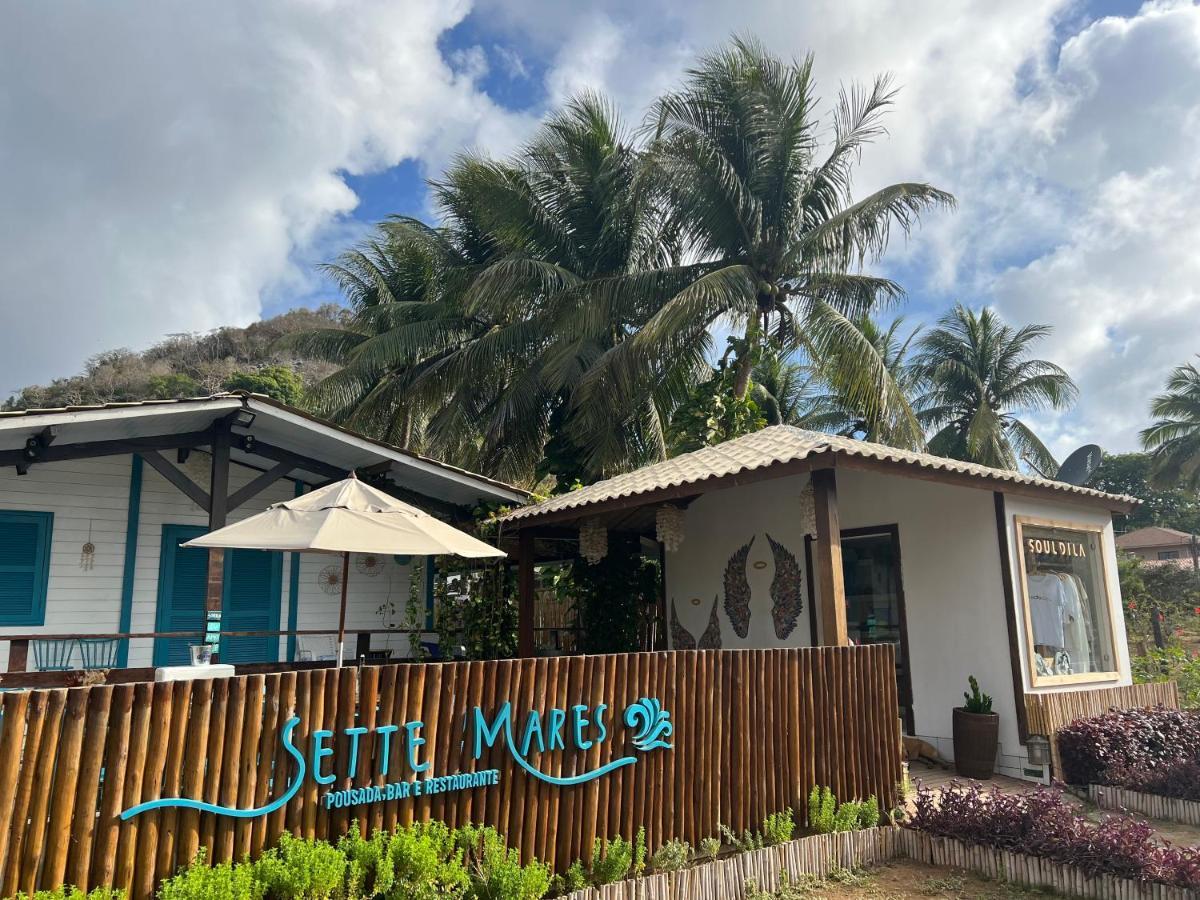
259,484
163,466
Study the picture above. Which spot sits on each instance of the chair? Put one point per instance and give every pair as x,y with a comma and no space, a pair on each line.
52,655
99,653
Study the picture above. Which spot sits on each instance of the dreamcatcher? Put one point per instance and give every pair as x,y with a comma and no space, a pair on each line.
330,579
87,556
370,564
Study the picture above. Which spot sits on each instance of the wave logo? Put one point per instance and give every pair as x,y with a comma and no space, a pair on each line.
289,728
582,727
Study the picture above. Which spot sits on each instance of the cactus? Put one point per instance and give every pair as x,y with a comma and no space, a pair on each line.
977,702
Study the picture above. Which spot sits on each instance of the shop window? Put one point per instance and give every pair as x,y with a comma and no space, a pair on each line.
24,566
1068,623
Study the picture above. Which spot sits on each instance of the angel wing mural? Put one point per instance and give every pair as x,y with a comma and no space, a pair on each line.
681,638
787,598
737,590
711,639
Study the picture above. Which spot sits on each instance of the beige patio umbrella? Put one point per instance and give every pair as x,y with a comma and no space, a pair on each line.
346,517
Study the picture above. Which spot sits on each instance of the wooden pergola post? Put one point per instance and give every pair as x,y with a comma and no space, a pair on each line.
525,590
828,561
218,506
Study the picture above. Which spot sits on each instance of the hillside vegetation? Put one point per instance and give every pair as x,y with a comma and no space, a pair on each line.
194,365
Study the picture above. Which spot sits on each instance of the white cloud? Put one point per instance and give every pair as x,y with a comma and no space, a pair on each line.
164,165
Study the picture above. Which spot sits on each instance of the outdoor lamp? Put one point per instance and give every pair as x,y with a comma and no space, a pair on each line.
244,418
1037,749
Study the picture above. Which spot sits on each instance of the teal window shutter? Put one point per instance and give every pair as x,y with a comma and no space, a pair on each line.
24,566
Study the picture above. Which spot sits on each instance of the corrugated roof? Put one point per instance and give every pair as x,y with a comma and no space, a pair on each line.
772,446
1153,536
244,396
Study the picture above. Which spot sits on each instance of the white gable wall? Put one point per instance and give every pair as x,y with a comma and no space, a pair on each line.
951,571
716,525
96,492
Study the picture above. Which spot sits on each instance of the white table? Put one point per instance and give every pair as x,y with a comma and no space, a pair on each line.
193,673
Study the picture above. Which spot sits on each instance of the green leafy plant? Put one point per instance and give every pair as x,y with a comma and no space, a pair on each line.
748,840
671,856
495,869
610,862
710,848
297,869
639,851
827,816
200,881
778,828
868,815
976,702
822,806
69,892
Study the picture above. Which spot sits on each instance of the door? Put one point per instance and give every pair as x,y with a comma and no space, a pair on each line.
875,612
182,584
251,599
251,603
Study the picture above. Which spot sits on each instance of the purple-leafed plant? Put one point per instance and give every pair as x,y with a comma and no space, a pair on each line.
1042,823
1125,743
1179,779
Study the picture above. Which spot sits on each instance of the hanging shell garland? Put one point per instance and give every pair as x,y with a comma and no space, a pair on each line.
668,524
593,541
808,511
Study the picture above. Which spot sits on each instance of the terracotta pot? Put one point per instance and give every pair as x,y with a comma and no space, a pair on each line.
976,739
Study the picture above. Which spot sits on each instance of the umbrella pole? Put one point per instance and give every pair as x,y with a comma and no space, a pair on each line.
342,613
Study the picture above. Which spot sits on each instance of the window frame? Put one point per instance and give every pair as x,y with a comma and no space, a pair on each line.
41,567
1036,680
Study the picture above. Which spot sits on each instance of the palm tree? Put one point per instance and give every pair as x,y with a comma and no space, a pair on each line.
976,375
785,390
1175,437
509,304
894,423
772,223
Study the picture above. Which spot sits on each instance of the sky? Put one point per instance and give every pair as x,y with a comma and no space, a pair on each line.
175,166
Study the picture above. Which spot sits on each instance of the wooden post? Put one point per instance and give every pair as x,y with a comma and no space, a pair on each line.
18,656
525,586
218,492
829,560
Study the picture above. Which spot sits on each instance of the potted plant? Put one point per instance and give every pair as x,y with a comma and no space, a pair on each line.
976,734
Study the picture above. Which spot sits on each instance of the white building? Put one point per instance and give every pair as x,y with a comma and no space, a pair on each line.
793,538
94,502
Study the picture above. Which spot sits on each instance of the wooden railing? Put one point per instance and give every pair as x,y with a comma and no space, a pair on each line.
18,674
751,732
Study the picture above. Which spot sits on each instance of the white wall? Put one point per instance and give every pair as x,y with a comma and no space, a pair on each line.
96,492
82,493
715,526
950,570
954,596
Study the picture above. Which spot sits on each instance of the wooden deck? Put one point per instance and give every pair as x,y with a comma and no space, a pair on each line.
936,778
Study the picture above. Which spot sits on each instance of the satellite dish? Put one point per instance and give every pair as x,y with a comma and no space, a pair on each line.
1080,466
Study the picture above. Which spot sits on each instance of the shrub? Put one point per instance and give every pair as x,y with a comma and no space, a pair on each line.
1042,823
297,869
496,872
200,881
747,841
830,817
1111,748
778,828
671,856
710,848
426,863
68,892
1179,779
610,863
